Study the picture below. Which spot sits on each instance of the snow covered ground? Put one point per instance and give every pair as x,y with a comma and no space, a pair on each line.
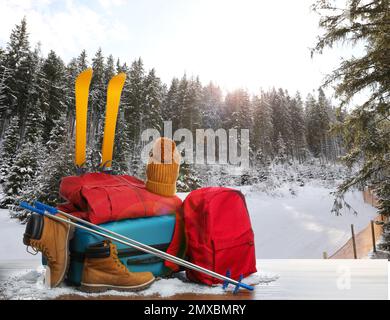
290,279
29,284
291,226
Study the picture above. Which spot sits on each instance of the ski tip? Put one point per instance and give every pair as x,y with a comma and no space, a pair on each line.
120,77
86,74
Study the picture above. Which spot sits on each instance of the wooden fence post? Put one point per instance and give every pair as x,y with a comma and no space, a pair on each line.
353,242
373,236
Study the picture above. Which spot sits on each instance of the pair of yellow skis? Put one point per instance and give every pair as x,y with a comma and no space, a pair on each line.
114,91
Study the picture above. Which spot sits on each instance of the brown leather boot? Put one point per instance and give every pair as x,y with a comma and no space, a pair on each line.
104,271
52,239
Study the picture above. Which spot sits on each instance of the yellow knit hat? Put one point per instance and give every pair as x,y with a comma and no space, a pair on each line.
163,167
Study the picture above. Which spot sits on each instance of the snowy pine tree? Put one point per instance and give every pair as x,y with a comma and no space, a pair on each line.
190,110
96,110
27,160
262,132
9,147
123,144
5,73
183,102
281,150
17,63
56,163
313,134
237,110
122,147
281,120
211,107
366,128
135,98
52,91
297,128
170,104
151,109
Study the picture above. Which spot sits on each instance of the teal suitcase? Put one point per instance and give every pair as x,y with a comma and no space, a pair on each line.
154,231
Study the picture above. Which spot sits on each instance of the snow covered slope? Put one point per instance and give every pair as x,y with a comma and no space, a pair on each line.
302,225
293,222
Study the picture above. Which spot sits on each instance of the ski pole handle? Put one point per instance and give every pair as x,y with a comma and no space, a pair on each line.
45,207
26,206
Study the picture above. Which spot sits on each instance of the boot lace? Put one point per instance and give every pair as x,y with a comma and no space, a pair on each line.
38,246
116,259
34,251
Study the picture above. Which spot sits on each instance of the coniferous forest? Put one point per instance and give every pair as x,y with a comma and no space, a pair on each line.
38,115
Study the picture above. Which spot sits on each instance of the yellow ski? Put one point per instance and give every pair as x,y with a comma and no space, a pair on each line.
82,90
114,91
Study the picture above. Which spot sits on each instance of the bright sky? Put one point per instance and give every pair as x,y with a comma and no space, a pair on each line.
234,43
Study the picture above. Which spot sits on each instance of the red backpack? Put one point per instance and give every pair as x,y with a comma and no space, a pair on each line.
219,233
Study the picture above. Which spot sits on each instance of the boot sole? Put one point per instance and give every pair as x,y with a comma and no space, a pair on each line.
96,288
69,236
